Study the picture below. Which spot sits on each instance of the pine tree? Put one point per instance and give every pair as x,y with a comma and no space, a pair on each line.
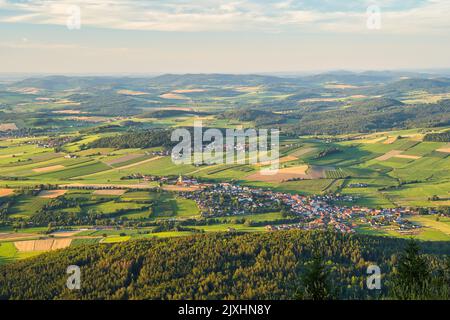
315,282
412,277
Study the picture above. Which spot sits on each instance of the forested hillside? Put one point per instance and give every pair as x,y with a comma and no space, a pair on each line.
438,137
141,139
220,266
371,116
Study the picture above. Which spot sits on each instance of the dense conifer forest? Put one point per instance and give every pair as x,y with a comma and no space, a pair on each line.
230,266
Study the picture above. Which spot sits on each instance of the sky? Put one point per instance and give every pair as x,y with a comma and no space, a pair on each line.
205,36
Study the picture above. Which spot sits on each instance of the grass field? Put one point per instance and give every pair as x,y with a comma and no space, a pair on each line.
9,253
426,176
27,206
169,206
443,225
431,230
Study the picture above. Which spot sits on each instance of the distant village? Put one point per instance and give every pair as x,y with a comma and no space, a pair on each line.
312,212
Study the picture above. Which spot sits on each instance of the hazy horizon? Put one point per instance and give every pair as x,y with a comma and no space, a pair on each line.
444,71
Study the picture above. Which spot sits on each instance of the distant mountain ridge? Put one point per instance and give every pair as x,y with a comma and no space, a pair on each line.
61,82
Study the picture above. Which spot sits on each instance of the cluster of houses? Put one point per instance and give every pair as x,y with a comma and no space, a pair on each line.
169,180
52,142
161,153
312,212
224,199
358,185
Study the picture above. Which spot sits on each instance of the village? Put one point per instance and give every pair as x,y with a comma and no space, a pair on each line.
310,212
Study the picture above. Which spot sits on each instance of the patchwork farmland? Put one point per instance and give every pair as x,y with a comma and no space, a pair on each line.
103,180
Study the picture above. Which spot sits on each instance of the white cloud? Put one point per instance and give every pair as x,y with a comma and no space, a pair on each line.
218,15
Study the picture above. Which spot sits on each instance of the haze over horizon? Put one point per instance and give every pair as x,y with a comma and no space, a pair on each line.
246,36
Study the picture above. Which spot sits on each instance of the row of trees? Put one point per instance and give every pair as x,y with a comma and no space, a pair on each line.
438,137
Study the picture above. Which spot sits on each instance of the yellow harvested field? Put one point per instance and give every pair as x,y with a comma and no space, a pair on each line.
405,156
173,96
67,102
70,111
295,170
176,188
61,243
340,86
8,126
28,90
42,245
17,236
389,155
175,108
445,149
372,141
109,192
390,140
248,89
282,174
6,192
414,137
281,160
132,93
62,234
49,169
51,194
188,90
25,245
